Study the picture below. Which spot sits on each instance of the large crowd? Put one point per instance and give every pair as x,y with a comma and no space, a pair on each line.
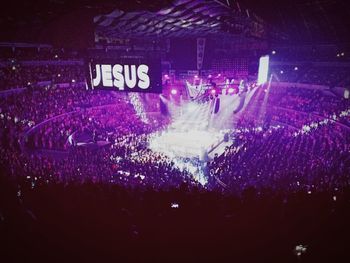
80,158
42,119
28,67
282,162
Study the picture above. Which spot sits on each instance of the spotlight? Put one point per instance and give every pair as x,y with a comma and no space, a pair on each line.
281,72
173,91
213,91
196,77
231,90
166,76
209,76
273,52
296,68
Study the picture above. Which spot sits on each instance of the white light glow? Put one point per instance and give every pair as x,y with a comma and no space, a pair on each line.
187,144
230,90
183,147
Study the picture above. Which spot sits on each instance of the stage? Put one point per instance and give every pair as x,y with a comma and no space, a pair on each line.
188,144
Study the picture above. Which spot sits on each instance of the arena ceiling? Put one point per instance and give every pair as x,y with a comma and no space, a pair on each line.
315,21
181,18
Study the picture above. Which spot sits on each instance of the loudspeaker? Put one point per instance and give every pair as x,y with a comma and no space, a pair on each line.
217,106
226,137
163,108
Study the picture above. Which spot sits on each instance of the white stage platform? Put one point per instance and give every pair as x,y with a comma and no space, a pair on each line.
187,144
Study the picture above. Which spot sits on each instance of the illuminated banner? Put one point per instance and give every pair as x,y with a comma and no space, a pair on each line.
126,74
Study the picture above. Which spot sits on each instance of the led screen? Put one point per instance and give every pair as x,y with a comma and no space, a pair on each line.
127,74
263,69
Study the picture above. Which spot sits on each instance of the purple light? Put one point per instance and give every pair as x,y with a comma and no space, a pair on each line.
166,76
196,77
209,76
173,91
231,90
213,91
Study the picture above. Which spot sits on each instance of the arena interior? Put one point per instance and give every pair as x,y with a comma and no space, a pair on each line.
175,130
